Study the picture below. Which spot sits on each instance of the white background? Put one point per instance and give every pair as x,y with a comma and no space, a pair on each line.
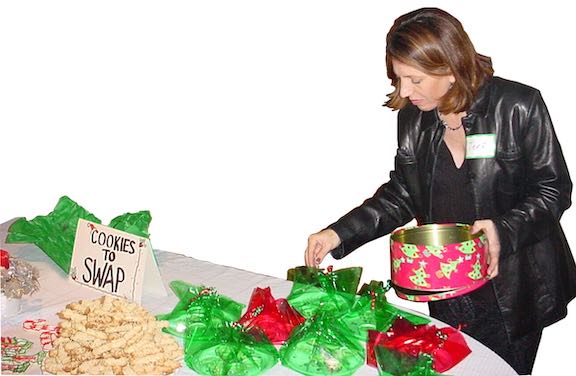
243,126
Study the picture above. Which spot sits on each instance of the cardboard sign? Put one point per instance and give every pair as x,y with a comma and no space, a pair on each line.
115,262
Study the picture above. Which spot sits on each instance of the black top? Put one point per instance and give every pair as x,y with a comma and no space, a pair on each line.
452,200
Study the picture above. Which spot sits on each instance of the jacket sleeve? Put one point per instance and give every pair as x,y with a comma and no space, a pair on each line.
389,208
547,184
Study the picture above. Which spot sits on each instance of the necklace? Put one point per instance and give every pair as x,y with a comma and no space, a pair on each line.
449,127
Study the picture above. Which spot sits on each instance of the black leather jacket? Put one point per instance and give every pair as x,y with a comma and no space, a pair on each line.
524,189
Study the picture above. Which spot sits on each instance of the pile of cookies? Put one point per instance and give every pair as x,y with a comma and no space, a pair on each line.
112,336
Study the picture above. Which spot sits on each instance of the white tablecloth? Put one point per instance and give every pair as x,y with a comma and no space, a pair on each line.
56,291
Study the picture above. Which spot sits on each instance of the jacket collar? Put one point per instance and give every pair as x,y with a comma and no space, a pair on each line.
480,104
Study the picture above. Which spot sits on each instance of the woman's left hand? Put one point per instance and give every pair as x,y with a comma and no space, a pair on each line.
493,246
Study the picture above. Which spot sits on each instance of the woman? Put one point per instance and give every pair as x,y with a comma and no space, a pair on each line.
510,180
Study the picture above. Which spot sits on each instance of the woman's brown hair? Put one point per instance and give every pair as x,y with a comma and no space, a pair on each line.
433,41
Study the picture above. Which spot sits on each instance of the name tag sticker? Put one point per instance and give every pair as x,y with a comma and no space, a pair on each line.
480,146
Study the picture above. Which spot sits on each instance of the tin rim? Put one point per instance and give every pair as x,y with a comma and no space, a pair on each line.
435,234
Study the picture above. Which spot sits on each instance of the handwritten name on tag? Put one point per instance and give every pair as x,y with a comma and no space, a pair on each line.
480,146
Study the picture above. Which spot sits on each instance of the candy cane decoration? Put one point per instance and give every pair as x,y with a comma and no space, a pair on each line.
204,292
14,357
13,345
48,333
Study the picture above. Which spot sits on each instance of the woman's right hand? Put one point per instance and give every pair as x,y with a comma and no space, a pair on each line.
319,245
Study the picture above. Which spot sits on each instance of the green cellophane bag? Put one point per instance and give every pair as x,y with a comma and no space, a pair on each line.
371,311
54,233
322,346
229,349
133,223
394,363
314,290
199,307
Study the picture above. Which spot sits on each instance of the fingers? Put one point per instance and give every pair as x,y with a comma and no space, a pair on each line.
312,255
492,246
493,264
476,226
492,271
317,254
493,252
319,245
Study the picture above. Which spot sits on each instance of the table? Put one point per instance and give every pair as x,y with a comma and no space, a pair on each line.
56,291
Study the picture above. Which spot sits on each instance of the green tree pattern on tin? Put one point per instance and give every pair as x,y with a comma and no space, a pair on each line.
410,250
451,266
475,274
396,263
419,277
468,247
436,250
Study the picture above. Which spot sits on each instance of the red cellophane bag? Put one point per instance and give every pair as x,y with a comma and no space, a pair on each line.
447,346
275,317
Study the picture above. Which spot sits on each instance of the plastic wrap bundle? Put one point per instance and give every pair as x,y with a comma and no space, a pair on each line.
54,233
275,317
322,346
229,349
395,363
445,346
373,312
199,306
331,291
